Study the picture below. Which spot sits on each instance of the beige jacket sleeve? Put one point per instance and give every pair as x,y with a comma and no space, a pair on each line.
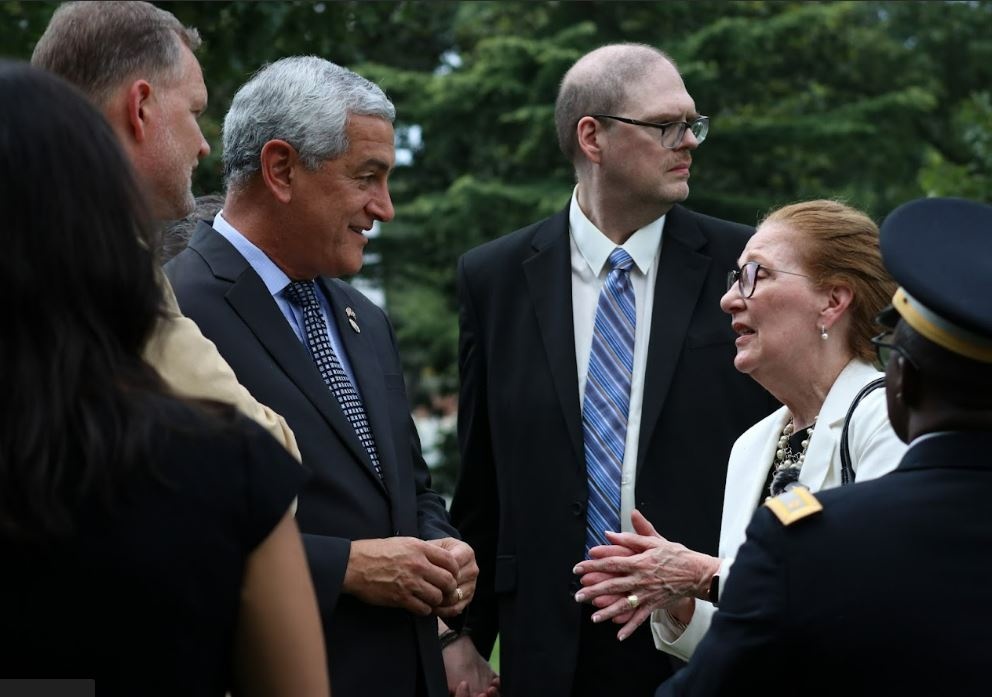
193,367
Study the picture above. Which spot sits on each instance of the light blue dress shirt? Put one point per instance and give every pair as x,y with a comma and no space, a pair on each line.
276,281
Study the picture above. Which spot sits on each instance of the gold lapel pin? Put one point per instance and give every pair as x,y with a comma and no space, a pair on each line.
352,319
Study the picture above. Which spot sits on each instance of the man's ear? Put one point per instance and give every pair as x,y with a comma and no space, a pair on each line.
138,96
589,132
908,383
279,161
896,396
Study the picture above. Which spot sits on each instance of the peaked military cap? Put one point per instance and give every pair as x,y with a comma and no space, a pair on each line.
939,251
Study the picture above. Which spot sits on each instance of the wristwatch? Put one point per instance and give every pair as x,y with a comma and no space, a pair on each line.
448,637
715,590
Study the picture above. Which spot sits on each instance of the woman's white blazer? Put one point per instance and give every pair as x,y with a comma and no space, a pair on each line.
875,450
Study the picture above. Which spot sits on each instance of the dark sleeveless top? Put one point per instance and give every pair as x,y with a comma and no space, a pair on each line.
144,599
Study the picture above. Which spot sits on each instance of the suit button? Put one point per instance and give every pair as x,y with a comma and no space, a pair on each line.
578,508
575,586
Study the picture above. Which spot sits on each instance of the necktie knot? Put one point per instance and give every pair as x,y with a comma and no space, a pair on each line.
620,260
302,294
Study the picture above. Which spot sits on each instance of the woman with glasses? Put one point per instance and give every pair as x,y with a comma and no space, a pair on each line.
802,302
147,542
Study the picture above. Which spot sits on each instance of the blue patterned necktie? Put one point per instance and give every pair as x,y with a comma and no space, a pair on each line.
304,296
607,398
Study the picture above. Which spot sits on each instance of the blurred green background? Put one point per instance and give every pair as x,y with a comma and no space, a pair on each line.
872,102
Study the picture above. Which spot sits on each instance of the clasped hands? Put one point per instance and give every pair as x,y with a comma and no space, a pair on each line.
643,563
422,576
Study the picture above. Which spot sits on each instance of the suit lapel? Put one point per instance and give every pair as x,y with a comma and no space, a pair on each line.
370,382
750,463
549,282
252,302
681,274
825,441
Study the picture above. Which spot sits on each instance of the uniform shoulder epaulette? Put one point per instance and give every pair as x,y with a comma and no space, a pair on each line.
794,504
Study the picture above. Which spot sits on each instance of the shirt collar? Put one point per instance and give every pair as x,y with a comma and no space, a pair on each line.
595,247
928,436
272,276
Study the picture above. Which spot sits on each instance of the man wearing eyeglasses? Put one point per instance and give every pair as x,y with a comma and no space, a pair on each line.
596,377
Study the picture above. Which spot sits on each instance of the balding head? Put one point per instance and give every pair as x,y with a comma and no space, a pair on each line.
598,83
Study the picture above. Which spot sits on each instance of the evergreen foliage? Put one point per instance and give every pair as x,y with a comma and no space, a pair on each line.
872,102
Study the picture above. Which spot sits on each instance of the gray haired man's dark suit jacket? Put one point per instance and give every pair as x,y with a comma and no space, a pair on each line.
371,650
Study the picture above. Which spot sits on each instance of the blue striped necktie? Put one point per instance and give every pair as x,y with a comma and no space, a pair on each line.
607,398
303,295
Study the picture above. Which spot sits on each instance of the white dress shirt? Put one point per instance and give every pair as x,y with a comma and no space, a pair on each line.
590,251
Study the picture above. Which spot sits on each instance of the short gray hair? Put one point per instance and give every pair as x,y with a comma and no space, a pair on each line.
597,84
303,100
98,46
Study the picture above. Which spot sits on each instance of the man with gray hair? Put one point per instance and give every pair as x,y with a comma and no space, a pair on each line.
136,63
308,149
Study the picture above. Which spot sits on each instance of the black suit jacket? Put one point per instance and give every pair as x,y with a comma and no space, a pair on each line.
521,496
344,499
885,592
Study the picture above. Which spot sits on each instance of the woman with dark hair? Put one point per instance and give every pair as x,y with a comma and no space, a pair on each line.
147,543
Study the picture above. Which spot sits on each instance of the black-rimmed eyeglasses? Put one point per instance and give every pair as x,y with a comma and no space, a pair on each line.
746,277
672,132
884,348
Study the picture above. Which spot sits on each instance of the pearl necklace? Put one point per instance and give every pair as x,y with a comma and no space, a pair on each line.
787,464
